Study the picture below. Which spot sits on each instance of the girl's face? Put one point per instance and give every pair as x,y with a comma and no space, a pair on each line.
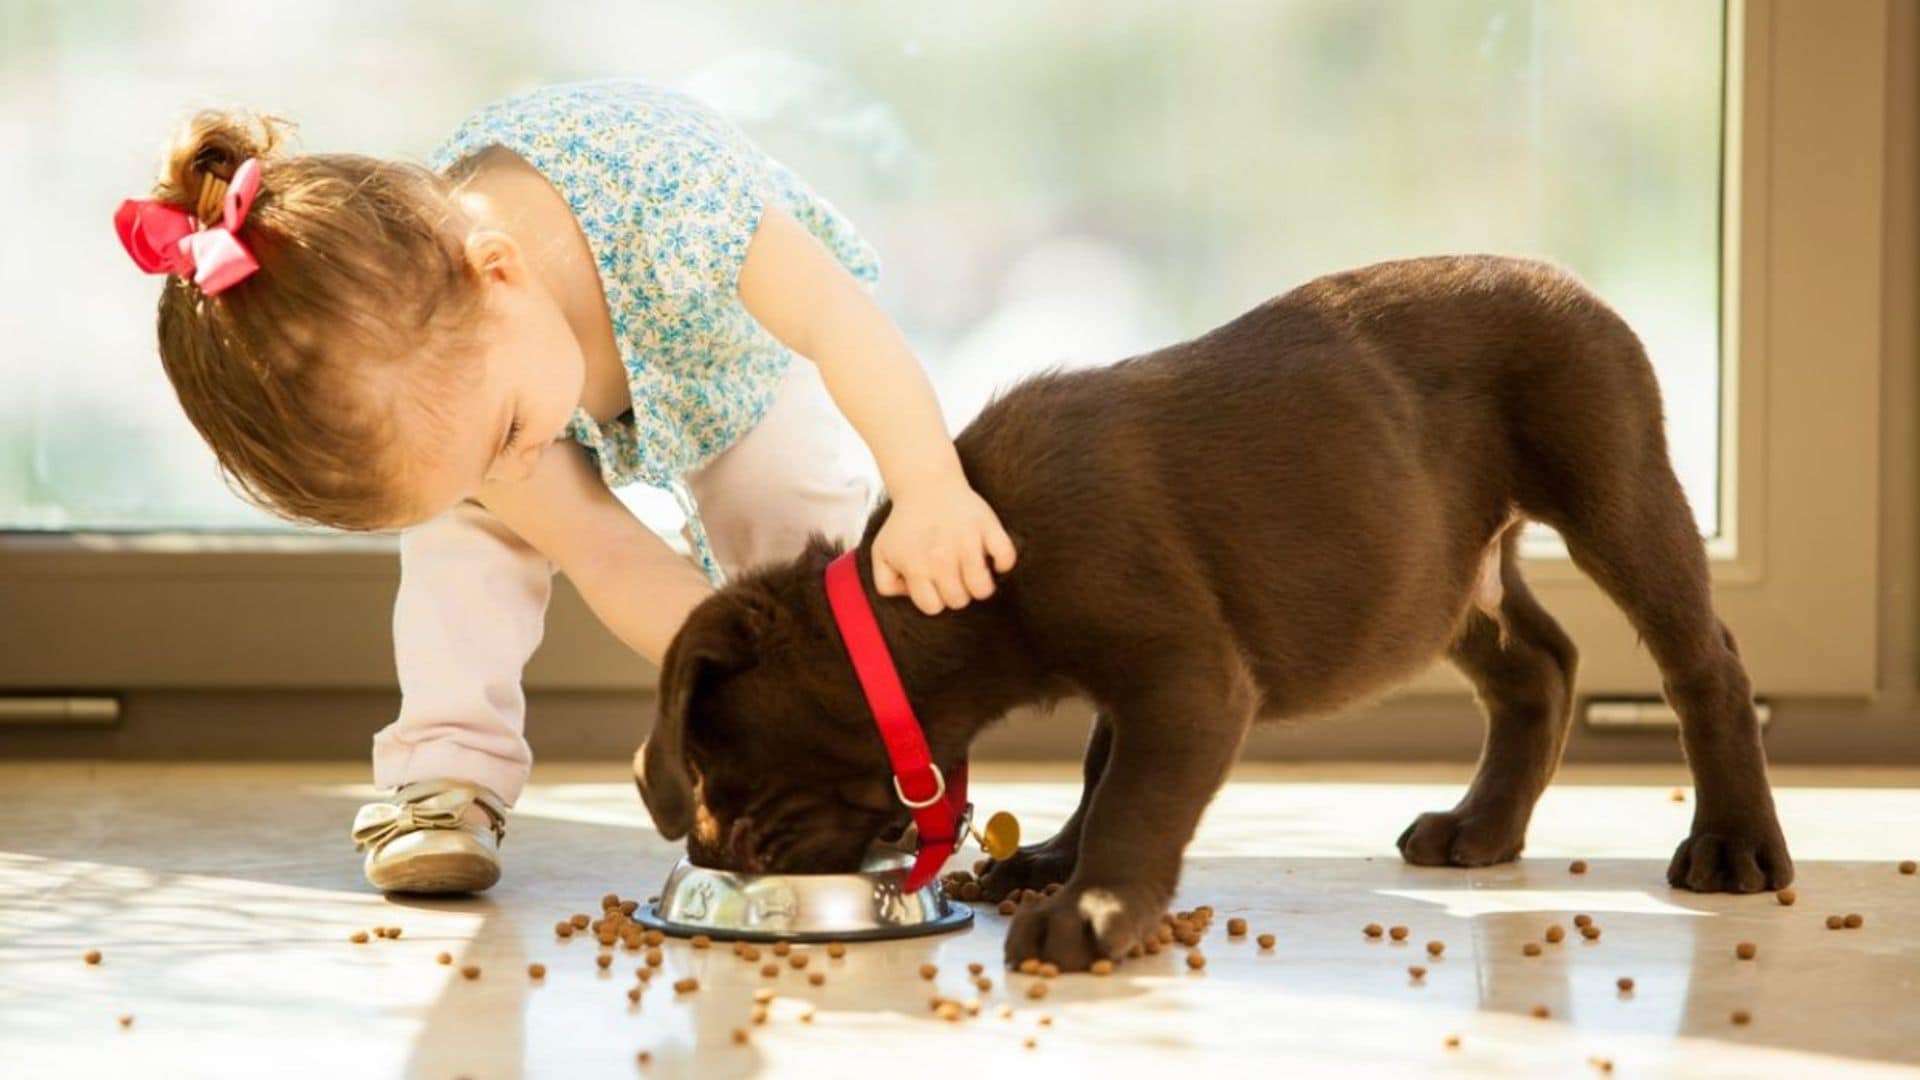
493,430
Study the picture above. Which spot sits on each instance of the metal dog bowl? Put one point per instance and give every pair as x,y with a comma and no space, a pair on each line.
869,905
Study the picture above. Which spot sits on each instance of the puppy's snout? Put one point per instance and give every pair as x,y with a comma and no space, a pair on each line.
740,851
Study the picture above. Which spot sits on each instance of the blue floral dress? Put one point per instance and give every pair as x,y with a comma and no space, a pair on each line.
668,195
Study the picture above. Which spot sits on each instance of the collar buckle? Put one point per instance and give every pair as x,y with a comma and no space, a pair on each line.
939,789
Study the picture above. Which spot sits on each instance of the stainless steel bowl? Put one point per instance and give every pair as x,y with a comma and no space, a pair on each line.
866,906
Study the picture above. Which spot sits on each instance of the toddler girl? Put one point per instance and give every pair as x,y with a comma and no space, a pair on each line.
594,285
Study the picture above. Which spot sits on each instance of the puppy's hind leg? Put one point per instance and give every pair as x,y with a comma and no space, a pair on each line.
1521,665
1035,866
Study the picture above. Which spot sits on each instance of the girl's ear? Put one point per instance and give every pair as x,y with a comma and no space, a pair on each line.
495,257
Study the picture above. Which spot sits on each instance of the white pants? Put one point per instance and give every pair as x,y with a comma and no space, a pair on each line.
473,596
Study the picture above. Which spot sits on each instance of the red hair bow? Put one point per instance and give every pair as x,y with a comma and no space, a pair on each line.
162,238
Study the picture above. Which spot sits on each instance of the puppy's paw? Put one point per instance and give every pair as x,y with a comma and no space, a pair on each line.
1731,861
1035,866
1445,838
1078,925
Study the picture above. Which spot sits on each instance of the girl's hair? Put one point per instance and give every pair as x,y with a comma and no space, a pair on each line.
294,375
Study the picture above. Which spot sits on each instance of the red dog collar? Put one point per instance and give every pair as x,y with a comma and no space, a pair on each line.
938,804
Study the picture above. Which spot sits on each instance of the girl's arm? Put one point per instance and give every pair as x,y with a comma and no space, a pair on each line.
637,585
937,541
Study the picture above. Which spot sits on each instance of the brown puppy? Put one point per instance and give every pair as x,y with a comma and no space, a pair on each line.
1278,518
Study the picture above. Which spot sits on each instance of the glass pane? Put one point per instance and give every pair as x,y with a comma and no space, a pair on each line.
1048,184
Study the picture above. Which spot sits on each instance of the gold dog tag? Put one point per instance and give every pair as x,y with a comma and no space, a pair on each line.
1001,837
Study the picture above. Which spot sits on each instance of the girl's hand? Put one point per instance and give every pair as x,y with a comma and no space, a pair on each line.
935,546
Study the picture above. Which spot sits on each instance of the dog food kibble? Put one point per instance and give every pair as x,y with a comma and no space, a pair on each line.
1102,966
563,928
763,995
604,960
739,1036
644,974
1835,922
643,1058
1416,972
393,933
983,984
1037,990
798,960
1577,866
1372,930
948,1011
1541,1012
1236,928
633,994
445,958
750,954
928,971
1855,921
1604,1065
969,891
470,972
1908,866
1435,948
1531,948
1265,941
781,948
380,932
836,950
1625,983
654,957
1030,966
628,907
358,937
1786,897
806,1017
92,956
1746,950
1742,1017
686,986
1044,1020
580,922
976,968
816,978
1049,970
654,937
700,941
769,970
126,1021
1196,960
1583,921
1677,795
536,971
759,1014
1007,907
1590,932
1029,1042
1397,933
606,936
1556,934
1453,1042
611,900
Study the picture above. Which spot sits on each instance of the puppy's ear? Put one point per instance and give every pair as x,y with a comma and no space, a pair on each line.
718,638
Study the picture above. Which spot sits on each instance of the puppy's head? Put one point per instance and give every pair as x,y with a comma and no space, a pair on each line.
763,754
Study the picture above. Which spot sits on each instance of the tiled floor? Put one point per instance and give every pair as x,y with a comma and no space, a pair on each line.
223,897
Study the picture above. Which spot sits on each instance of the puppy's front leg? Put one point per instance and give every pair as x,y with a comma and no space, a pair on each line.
1171,750
1035,866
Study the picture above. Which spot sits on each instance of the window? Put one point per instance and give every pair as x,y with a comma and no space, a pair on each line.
1050,184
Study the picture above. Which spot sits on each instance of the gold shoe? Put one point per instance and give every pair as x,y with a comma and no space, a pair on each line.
432,836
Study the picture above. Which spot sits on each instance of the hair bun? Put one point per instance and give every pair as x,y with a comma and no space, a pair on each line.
207,149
